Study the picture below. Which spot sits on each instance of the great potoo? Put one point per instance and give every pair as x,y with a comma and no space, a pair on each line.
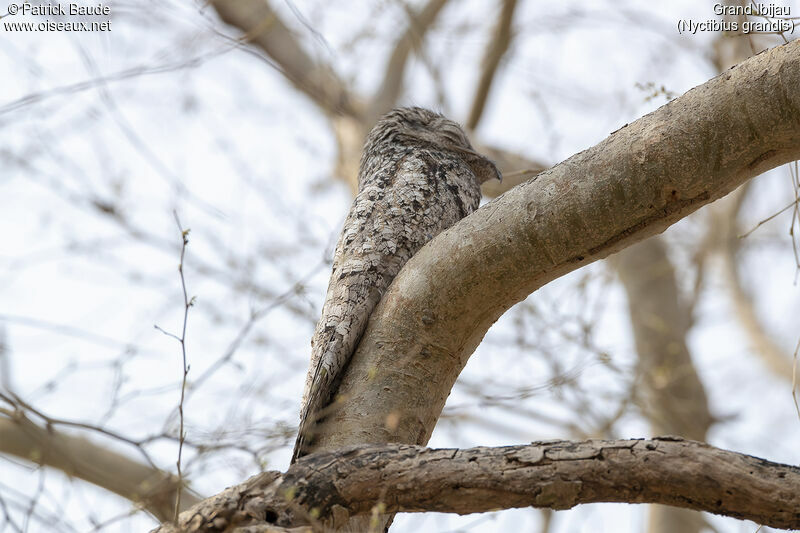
418,176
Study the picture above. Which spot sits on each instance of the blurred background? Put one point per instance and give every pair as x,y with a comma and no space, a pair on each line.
245,119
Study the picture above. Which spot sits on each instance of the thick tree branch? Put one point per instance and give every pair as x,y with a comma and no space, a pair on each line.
144,485
636,183
553,474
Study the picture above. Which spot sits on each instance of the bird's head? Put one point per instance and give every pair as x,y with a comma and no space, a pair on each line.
420,124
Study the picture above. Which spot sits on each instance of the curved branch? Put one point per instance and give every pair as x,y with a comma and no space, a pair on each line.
553,474
636,183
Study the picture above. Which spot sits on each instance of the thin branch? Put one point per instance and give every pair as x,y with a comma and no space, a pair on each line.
792,205
724,235
255,316
187,303
386,96
794,172
264,28
498,46
92,83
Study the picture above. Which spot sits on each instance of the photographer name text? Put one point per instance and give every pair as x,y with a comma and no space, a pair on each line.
58,9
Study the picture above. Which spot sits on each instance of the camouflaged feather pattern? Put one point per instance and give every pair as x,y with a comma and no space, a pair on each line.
418,176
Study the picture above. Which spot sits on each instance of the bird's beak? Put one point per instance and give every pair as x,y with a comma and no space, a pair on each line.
485,169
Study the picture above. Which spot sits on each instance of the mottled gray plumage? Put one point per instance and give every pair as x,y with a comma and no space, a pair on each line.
418,176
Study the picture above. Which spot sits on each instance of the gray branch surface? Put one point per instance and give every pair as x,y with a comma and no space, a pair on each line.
640,180
552,474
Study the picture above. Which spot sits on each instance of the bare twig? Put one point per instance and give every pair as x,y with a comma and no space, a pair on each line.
187,303
255,316
794,172
793,204
723,234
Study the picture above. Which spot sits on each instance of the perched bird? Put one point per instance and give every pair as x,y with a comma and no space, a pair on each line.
418,176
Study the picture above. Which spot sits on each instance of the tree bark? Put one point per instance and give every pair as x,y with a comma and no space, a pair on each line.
636,183
332,486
